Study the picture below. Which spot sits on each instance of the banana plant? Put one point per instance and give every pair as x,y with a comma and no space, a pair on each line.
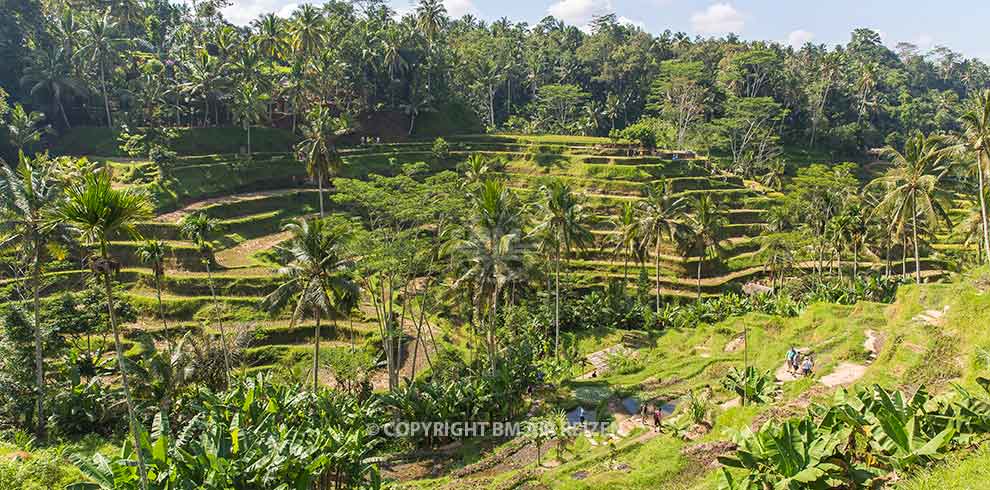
795,454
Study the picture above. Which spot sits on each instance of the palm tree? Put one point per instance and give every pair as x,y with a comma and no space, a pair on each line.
100,43
564,225
659,219
307,31
97,212
612,108
913,187
270,37
776,253
627,236
418,103
249,105
491,252
152,252
706,222
23,127
976,138
203,77
431,17
850,229
317,266
50,76
392,56
198,227
970,229
317,147
26,195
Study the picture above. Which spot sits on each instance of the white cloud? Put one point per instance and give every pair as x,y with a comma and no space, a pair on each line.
579,12
797,39
458,8
719,18
924,42
626,20
243,12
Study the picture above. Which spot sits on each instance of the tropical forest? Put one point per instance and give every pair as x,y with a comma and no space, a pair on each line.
345,246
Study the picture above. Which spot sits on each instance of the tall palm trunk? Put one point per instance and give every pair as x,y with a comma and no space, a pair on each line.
106,97
983,205
625,269
914,235
132,418
492,336
904,252
855,273
319,178
219,319
316,352
701,258
65,117
556,305
887,246
39,362
161,307
656,259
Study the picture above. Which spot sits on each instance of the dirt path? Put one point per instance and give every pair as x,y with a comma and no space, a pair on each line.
932,317
845,373
240,255
178,214
599,360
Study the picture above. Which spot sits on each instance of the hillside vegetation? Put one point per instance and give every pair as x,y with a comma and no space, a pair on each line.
343,247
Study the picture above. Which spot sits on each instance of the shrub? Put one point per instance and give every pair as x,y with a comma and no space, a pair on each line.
750,384
440,151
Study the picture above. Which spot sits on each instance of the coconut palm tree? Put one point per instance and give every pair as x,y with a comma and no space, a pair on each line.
850,230
913,187
198,227
249,105
317,268
50,77
101,42
307,31
491,253
203,78
976,139
659,218
563,226
26,195
431,17
706,223
627,236
152,252
418,102
317,148
970,229
97,211
270,37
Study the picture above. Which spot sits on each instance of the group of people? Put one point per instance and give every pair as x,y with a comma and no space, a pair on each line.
799,363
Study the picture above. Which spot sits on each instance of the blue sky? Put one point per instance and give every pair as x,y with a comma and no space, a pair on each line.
958,24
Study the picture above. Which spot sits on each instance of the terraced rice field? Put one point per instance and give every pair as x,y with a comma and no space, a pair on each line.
254,198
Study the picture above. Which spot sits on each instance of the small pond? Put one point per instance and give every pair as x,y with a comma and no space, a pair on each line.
632,405
574,416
